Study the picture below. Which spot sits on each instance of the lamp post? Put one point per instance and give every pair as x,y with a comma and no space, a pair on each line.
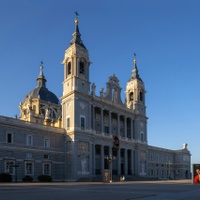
110,159
168,167
16,165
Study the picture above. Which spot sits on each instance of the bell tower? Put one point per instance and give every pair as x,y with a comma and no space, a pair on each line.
135,100
76,84
135,92
76,65
76,106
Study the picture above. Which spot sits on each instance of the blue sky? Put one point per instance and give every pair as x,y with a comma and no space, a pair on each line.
165,35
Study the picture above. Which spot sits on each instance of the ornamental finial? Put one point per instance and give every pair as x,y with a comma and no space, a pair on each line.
76,19
41,67
134,58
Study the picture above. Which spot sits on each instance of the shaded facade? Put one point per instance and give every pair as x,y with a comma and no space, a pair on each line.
88,131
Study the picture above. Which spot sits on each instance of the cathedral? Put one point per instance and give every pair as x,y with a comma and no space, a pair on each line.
86,132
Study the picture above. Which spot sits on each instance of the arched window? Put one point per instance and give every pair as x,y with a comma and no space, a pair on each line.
34,108
82,68
131,96
54,114
69,68
113,94
141,96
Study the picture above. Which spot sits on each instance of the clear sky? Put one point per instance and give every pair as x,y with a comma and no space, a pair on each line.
165,35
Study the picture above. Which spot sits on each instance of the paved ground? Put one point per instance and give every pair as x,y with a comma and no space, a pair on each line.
147,190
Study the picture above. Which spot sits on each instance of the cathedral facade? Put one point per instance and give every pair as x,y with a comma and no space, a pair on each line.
83,134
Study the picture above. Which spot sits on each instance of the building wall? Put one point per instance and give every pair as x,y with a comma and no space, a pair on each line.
45,150
87,153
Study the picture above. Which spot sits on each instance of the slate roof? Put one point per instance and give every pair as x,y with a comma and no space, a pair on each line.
41,90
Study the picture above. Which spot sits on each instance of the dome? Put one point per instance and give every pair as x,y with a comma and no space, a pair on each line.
41,91
44,94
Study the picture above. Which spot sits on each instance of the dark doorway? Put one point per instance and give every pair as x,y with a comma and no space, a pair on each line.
122,168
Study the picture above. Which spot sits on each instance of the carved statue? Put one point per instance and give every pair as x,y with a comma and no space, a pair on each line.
101,92
47,113
93,89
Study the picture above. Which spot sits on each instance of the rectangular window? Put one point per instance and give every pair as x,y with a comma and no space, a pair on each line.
142,137
68,122
82,122
106,129
46,156
46,169
28,168
97,150
29,140
28,155
151,156
46,142
9,167
9,138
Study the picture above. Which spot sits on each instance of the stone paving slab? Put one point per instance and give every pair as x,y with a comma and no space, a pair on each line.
147,190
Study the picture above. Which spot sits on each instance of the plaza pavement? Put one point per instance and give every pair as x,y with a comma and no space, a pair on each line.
147,190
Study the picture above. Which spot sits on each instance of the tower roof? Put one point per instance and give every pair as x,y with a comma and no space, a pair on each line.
76,35
41,78
135,74
41,91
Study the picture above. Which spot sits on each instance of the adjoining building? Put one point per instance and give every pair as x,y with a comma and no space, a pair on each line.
86,133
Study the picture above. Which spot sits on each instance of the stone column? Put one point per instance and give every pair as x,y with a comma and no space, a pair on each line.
93,159
90,158
110,155
90,117
119,161
64,115
77,67
110,126
118,124
131,129
125,126
102,159
132,162
93,117
125,162
102,122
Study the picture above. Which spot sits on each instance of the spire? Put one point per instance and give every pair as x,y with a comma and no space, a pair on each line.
41,78
135,74
76,35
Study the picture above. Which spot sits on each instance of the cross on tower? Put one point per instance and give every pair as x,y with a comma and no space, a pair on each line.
134,58
76,13
41,63
41,67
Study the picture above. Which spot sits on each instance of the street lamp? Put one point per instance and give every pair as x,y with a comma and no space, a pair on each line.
16,165
110,160
168,166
